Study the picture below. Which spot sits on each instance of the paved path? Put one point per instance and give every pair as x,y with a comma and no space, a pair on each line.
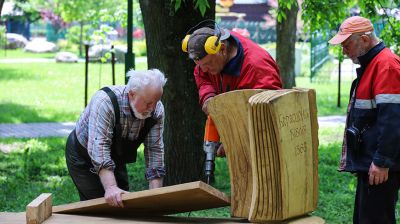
36,130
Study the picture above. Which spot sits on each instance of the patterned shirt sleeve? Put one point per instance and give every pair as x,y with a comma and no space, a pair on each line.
154,146
100,132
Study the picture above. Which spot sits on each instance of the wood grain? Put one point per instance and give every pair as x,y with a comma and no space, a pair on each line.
19,218
284,144
160,201
230,114
39,209
271,143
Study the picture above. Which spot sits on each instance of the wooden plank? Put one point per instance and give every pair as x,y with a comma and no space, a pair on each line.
19,218
160,201
230,114
312,97
39,209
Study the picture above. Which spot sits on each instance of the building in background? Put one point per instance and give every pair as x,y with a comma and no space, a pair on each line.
251,18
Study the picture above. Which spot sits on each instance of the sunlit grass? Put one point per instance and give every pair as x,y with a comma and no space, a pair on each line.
51,92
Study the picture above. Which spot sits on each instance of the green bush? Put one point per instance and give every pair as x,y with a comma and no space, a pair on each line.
65,45
3,40
74,32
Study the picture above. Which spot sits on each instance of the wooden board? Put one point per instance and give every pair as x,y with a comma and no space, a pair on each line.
312,97
160,201
229,113
39,209
283,144
19,218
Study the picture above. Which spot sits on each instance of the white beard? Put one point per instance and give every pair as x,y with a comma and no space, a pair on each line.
141,116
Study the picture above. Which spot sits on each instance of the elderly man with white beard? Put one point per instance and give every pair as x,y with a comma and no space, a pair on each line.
108,133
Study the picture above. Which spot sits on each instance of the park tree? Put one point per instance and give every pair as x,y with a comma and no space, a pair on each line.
85,12
166,24
286,30
326,15
1,5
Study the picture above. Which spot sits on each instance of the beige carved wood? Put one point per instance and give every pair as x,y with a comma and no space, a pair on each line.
39,209
271,148
229,113
19,218
160,201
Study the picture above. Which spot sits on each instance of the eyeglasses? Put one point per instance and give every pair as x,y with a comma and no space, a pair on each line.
346,44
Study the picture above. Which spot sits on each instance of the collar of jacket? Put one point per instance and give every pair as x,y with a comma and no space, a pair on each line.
234,66
367,58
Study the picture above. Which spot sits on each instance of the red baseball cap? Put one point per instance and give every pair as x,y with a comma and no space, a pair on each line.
354,24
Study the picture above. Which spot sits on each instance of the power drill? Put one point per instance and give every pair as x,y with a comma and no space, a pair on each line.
211,144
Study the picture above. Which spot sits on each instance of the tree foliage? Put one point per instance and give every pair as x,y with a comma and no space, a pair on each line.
327,15
201,5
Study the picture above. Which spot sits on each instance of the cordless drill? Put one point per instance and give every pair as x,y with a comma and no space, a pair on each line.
211,144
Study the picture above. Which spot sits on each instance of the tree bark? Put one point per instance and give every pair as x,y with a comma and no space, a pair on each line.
1,5
285,45
184,122
80,39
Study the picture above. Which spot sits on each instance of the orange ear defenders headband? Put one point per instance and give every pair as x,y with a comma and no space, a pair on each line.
212,44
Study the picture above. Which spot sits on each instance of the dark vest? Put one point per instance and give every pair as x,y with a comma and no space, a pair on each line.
124,150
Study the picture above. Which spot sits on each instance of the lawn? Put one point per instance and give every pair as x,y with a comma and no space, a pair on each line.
20,53
38,166
50,92
54,92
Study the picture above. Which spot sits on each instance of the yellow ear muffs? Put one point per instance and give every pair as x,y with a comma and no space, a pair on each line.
185,43
212,45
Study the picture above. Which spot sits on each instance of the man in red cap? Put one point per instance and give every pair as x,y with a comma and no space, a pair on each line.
371,146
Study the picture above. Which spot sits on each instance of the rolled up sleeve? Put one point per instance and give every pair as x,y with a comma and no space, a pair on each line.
154,147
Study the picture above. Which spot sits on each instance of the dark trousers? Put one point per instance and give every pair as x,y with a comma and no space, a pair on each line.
376,204
82,172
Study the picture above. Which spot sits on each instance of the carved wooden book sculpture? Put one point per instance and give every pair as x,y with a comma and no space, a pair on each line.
271,143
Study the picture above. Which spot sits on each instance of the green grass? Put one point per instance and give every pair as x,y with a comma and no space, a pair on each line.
54,92
20,53
38,166
50,92
327,95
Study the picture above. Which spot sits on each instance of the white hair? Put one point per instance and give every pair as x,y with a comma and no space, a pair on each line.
138,80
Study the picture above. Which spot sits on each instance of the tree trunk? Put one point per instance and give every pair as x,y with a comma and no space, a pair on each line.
285,45
81,39
1,5
184,122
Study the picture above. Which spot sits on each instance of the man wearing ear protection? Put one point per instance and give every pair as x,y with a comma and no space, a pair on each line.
227,61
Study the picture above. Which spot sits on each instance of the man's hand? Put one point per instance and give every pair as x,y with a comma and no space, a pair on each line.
377,175
112,191
113,196
155,183
221,151
205,104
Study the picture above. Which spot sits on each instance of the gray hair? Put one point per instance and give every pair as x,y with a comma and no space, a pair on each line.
138,80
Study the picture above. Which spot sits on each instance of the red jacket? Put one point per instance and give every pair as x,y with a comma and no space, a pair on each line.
255,69
375,112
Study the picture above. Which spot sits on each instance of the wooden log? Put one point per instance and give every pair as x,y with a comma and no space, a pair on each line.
230,115
155,202
39,209
271,143
283,148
